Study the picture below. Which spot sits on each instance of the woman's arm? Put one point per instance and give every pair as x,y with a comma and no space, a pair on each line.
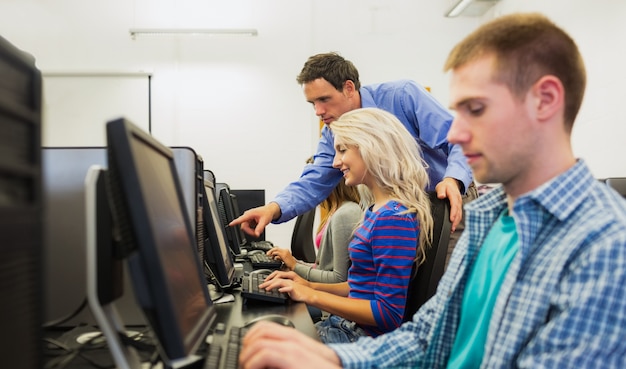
333,255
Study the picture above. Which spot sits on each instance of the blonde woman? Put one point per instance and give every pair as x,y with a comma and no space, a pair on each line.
374,149
341,217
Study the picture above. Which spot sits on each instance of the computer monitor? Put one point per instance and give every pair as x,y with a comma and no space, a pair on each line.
227,215
63,179
104,271
190,168
151,226
63,183
237,212
248,199
217,253
20,209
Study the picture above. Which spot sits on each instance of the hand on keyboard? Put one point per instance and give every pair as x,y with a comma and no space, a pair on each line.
285,256
298,288
259,259
250,288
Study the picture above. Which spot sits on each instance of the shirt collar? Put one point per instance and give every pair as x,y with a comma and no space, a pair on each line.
560,196
367,100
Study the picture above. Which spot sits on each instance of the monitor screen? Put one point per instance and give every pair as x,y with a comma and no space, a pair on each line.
21,205
248,199
152,227
228,214
217,254
237,212
190,168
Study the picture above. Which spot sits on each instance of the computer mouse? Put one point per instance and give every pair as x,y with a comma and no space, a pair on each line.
276,318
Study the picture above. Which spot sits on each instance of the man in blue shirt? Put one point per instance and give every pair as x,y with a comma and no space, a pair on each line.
538,278
331,84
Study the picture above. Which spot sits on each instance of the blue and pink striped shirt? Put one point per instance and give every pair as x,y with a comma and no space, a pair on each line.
382,253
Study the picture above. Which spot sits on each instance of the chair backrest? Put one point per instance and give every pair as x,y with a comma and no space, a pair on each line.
302,247
426,276
618,184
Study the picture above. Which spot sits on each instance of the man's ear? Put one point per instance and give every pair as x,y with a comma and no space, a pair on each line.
549,95
349,88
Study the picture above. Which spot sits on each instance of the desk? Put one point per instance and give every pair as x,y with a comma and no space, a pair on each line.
238,313
231,314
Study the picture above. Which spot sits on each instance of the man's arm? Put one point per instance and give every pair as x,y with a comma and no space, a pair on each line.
314,185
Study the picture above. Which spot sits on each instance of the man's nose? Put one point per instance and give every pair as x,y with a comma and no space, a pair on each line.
458,132
319,110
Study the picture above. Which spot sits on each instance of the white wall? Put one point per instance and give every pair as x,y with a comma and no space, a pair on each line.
235,100
599,29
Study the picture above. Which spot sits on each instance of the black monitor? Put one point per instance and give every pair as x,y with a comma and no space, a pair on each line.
237,212
248,199
227,215
152,227
20,209
190,168
63,180
217,253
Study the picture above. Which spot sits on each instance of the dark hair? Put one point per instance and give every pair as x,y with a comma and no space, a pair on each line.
332,67
527,47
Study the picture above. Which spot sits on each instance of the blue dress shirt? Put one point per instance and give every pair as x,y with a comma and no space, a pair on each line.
562,303
425,118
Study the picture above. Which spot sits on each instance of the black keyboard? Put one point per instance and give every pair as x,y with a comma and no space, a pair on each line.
231,356
250,289
261,245
261,260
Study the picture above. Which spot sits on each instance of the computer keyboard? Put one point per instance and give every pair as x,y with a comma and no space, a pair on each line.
260,260
250,289
231,352
261,245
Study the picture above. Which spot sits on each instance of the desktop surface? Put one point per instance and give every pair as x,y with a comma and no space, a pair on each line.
240,312
229,315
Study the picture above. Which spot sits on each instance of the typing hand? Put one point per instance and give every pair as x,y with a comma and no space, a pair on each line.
278,274
296,291
285,255
270,345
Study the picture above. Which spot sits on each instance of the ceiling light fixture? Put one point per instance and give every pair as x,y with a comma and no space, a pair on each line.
134,32
470,8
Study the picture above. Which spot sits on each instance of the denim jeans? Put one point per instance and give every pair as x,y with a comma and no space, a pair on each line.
338,330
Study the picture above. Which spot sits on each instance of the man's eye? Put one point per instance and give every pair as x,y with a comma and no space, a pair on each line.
475,109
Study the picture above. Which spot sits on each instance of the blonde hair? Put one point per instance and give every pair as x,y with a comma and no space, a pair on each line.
393,158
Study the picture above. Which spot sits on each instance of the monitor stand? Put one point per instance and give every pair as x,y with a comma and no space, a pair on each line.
106,315
214,292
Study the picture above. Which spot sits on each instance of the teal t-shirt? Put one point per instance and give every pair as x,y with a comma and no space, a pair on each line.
481,291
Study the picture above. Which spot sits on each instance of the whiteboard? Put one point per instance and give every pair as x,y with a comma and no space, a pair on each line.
76,106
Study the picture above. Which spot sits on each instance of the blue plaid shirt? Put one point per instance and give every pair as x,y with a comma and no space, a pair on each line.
563,300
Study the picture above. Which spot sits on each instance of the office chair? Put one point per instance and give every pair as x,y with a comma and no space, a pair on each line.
618,184
425,277
302,247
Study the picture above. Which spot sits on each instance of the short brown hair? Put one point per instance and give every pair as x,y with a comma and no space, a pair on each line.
527,47
332,67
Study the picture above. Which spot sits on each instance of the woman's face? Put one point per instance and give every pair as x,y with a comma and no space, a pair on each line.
348,159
